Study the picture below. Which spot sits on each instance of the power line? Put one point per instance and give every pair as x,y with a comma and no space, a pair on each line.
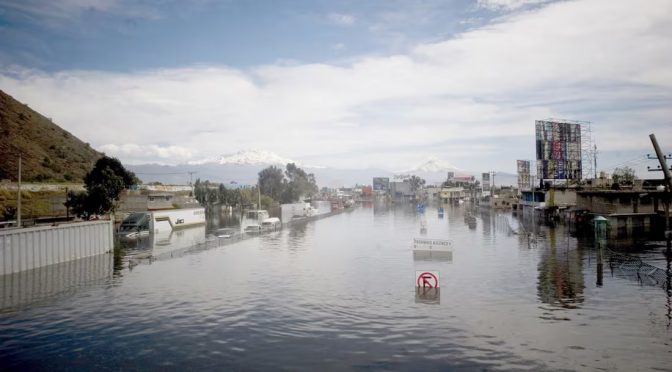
630,162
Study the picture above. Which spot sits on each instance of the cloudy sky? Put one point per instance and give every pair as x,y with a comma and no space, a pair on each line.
348,84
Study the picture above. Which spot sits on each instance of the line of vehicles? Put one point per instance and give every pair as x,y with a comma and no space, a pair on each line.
189,224
141,224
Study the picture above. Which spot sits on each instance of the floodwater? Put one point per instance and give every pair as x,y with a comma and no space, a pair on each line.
339,293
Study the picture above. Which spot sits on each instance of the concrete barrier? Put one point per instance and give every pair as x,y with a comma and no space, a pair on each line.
30,248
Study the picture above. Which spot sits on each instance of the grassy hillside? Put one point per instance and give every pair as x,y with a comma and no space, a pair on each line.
49,153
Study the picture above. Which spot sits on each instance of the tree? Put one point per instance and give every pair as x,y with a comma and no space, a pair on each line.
9,213
416,183
104,183
271,182
289,186
298,184
76,202
624,176
112,166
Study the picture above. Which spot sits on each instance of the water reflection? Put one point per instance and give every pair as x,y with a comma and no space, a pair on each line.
27,288
296,235
220,217
560,281
430,296
338,293
486,218
381,207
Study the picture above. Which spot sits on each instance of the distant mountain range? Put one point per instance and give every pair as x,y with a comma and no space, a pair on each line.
249,157
50,153
242,168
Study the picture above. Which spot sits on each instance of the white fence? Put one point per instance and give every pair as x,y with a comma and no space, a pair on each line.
30,248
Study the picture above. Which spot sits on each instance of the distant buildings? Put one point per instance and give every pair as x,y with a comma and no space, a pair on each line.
401,190
381,185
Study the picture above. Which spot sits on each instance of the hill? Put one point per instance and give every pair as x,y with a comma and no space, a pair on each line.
49,153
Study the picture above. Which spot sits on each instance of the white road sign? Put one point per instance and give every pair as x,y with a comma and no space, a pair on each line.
422,244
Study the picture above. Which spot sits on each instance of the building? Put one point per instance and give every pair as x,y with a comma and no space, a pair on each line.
629,212
452,194
381,185
505,198
401,190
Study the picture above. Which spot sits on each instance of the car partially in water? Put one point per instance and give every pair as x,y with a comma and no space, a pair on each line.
134,226
226,232
271,223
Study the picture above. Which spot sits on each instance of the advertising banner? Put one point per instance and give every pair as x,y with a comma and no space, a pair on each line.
485,183
558,150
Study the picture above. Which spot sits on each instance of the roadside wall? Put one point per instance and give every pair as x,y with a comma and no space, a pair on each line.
30,248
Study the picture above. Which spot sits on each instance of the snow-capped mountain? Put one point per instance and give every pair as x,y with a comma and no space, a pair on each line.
242,168
248,157
255,157
434,164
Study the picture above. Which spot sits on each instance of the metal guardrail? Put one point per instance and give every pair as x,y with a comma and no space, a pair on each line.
634,267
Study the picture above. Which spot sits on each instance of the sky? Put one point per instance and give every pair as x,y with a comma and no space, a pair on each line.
346,84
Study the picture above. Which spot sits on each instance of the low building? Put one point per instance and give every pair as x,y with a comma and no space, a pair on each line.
144,200
452,194
401,190
629,212
505,197
431,192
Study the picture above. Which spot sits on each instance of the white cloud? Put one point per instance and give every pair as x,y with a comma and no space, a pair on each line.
600,60
139,154
341,19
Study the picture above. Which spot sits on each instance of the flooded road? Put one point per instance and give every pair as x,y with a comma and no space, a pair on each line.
339,293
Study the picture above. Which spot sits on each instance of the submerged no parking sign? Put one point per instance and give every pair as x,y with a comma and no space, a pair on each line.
427,279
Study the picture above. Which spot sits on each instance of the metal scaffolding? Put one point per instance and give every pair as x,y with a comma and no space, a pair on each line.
565,149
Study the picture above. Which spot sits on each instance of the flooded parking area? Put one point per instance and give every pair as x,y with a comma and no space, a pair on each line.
340,293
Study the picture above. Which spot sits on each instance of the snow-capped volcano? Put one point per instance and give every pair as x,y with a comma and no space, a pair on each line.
249,157
254,157
434,164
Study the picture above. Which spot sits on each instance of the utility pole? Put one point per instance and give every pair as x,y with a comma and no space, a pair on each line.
18,198
67,207
595,162
668,187
191,184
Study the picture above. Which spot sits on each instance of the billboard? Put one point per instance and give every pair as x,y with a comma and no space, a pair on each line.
523,175
558,150
381,184
486,182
